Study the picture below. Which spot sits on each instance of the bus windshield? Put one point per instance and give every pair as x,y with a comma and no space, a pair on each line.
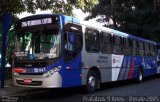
38,44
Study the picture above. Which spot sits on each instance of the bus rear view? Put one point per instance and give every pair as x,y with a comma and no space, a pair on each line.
37,52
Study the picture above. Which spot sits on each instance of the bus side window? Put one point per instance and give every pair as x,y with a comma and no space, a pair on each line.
135,48
153,49
105,42
126,46
141,48
92,40
117,45
147,50
158,52
158,55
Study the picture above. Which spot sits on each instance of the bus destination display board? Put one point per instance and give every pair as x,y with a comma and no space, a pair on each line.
36,22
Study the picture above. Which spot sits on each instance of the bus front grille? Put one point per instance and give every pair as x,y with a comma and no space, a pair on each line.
34,83
31,73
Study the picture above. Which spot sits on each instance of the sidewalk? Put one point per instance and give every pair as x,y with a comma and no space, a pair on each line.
10,90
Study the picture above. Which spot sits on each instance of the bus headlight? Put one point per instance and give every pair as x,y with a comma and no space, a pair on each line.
51,72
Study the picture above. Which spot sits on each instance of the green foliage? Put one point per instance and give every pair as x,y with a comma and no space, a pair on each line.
12,6
56,6
19,6
138,17
84,5
62,7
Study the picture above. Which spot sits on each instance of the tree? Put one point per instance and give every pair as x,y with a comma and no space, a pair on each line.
32,5
56,6
138,17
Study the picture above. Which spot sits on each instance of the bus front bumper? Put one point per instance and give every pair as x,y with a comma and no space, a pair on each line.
54,81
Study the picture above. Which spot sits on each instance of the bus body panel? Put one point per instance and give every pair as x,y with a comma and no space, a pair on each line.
100,61
117,61
72,73
72,69
150,65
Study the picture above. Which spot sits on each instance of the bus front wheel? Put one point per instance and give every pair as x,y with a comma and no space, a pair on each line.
92,82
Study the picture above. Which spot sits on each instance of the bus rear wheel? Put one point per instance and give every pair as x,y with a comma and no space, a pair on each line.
92,82
140,76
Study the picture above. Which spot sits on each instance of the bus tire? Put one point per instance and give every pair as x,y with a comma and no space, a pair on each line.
140,75
92,82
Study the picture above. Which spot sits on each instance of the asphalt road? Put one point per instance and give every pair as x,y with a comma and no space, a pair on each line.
125,91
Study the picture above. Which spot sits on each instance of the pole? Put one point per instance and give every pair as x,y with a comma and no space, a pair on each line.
6,24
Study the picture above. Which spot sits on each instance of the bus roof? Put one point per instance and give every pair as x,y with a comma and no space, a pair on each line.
86,23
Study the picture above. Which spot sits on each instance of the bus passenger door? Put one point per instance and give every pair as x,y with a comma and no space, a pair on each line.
72,57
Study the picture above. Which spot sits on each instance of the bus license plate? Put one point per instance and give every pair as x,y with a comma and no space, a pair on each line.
27,81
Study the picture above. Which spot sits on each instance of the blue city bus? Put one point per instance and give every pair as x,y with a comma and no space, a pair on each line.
58,51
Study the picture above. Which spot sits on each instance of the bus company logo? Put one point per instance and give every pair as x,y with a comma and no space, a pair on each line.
115,61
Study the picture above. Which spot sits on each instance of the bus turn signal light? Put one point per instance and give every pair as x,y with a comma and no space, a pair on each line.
19,70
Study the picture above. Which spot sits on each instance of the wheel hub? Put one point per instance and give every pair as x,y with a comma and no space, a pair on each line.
140,76
92,81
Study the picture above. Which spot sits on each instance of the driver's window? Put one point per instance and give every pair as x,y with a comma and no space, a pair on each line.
159,55
69,41
72,41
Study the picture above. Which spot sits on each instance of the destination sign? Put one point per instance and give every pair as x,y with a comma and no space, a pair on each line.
36,22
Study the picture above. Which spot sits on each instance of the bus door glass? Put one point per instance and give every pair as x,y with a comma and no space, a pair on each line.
158,57
69,43
72,41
